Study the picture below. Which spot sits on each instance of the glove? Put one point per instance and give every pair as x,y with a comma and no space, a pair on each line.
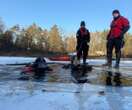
88,43
123,43
121,36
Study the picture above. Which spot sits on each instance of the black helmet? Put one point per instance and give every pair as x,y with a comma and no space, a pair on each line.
82,23
116,11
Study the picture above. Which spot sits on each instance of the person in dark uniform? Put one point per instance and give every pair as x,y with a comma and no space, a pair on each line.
83,39
40,66
115,39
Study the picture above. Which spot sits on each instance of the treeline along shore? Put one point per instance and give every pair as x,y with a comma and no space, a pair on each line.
34,40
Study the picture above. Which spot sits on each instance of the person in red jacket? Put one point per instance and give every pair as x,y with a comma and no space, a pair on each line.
83,39
115,39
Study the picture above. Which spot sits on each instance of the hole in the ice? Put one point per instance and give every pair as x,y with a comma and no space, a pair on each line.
81,75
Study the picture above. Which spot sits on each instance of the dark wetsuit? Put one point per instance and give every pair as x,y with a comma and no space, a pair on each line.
83,38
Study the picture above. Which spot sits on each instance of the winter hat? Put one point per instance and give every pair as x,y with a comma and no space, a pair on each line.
116,11
82,23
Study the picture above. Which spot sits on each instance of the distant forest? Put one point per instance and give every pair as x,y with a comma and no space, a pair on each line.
34,40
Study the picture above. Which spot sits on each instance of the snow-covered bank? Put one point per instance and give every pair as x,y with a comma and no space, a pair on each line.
19,60
15,60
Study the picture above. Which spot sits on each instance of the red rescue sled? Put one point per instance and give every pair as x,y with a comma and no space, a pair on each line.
60,58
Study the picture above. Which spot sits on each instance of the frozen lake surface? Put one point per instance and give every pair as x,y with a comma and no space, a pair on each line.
57,90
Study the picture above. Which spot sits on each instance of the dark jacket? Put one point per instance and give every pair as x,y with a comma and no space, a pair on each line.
83,37
119,27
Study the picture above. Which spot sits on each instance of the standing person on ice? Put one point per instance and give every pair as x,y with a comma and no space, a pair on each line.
83,39
115,39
